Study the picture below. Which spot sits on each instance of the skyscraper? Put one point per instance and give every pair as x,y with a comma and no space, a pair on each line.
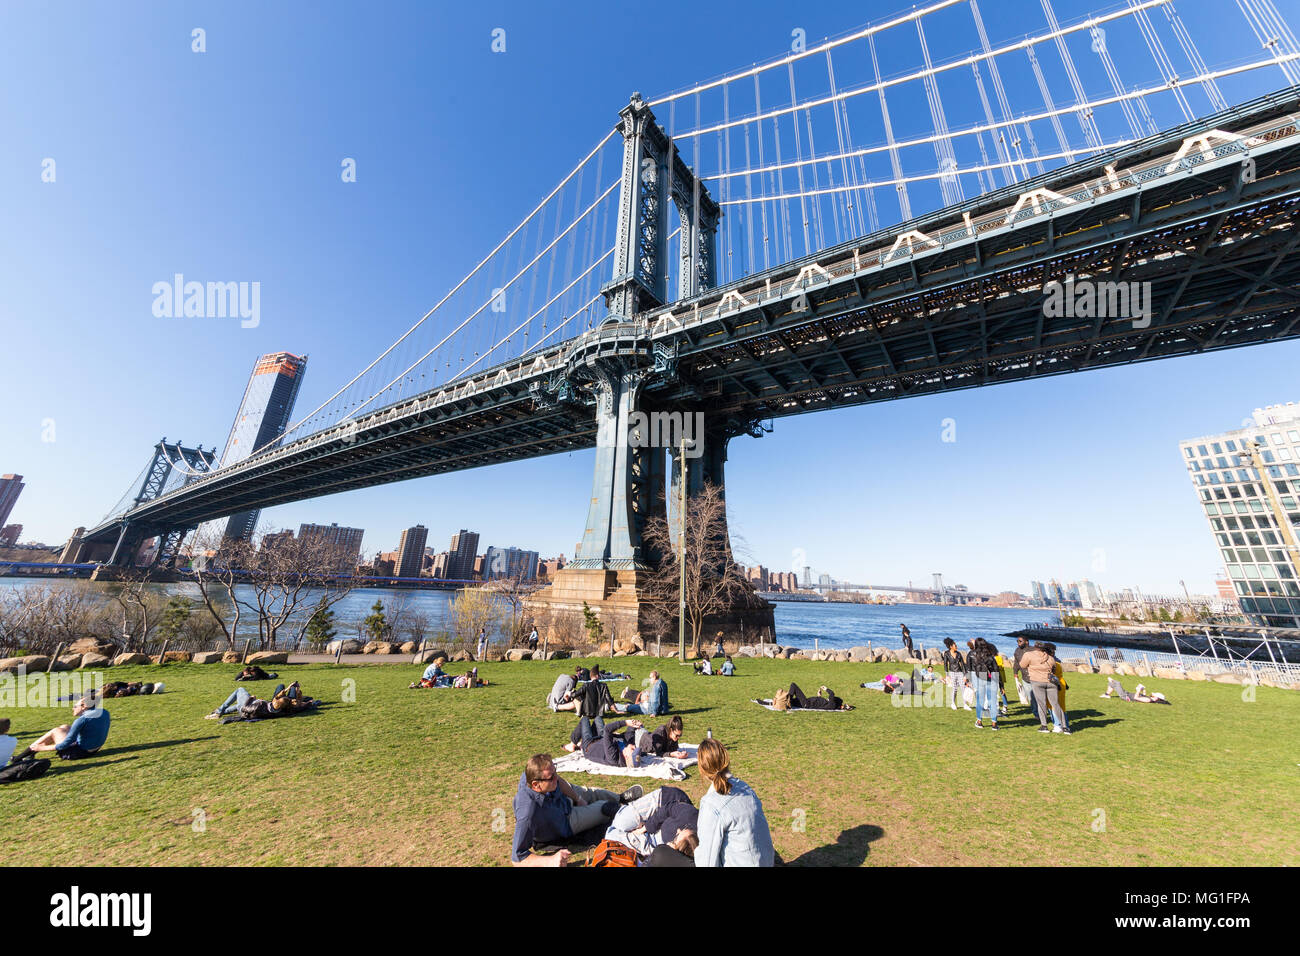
410,552
341,547
1248,482
260,422
463,551
509,563
11,487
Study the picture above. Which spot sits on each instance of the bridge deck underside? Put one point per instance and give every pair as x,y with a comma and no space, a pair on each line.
1219,253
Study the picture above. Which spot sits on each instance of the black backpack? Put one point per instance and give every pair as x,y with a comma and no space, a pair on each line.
24,770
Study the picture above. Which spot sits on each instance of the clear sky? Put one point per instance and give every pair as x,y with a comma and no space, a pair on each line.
225,165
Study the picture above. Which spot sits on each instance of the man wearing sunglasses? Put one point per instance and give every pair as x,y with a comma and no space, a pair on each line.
549,809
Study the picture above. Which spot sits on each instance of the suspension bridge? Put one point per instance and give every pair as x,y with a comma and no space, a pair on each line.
713,254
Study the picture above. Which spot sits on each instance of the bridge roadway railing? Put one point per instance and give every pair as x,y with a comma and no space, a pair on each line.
1194,154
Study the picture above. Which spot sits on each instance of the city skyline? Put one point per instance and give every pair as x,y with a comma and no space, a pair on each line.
1041,474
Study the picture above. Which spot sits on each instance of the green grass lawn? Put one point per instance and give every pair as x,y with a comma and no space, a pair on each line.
427,777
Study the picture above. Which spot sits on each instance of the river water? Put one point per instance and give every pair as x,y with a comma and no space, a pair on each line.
798,623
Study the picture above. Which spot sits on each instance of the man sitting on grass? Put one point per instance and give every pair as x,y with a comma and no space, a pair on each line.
549,809
611,748
83,738
653,701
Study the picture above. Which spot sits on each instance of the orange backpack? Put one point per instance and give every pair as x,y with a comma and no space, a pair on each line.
613,853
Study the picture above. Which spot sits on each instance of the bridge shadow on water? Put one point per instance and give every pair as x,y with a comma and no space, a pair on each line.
850,848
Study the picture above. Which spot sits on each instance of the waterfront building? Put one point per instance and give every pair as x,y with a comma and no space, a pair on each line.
260,422
410,552
438,566
342,546
462,555
9,535
1039,598
11,486
509,563
273,539
550,566
1247,481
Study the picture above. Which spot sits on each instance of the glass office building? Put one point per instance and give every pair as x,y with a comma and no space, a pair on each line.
1248,482
262,418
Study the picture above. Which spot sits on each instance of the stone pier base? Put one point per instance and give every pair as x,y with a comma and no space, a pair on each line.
615,597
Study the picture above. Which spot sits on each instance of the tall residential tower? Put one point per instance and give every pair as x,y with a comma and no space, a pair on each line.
262,418
1248,482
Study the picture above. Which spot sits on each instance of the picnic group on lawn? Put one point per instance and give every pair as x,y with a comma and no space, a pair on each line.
664,827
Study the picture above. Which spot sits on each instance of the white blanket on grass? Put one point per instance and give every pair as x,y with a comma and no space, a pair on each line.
661,768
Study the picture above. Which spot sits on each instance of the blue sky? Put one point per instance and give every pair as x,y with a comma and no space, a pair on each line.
225,166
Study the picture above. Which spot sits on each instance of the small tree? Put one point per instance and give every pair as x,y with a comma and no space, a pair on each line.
320,628
375,626
591,623
475,609
174,617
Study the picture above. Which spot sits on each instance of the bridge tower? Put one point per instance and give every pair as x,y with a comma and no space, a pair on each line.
617,370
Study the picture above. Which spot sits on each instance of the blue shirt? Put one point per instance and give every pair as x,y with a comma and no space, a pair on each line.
89,731
728,669
433,671
733,830
658,704
539,818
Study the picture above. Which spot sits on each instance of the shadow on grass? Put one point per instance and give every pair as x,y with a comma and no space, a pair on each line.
72,766
849,849
153,745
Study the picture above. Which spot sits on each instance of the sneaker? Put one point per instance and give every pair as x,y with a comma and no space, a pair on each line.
1066,731
215,715
1002,712
993,726
1055,729
634,792
979,724
953,706
964,707
1044,730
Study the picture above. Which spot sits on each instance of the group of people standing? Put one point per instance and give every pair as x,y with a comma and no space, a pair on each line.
978,676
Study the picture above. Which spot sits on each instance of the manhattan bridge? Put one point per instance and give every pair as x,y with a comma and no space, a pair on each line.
862,219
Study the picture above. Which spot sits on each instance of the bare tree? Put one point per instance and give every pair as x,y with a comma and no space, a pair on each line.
714,582
474,609
513,591
140,607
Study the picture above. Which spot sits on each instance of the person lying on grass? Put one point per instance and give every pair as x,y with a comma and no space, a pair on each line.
253,672
663,817
1140,696
285,702
82,738
549,809
118,688
825,700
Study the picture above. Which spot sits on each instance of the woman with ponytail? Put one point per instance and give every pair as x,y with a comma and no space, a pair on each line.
733,830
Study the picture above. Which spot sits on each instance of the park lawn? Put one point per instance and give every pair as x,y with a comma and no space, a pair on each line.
400,776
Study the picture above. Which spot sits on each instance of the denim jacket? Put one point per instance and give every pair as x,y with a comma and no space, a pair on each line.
733,830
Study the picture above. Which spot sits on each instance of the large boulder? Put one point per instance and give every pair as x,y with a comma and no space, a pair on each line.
173,657
859,655
124,660
231,657
1105,667
1168,673
1227,679
349,647
424,657
408,647
462,656
207,657
1124,670
1084,668
91,659
32,663
519,654
1196,675
67,662
841,657
92,645
269,657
